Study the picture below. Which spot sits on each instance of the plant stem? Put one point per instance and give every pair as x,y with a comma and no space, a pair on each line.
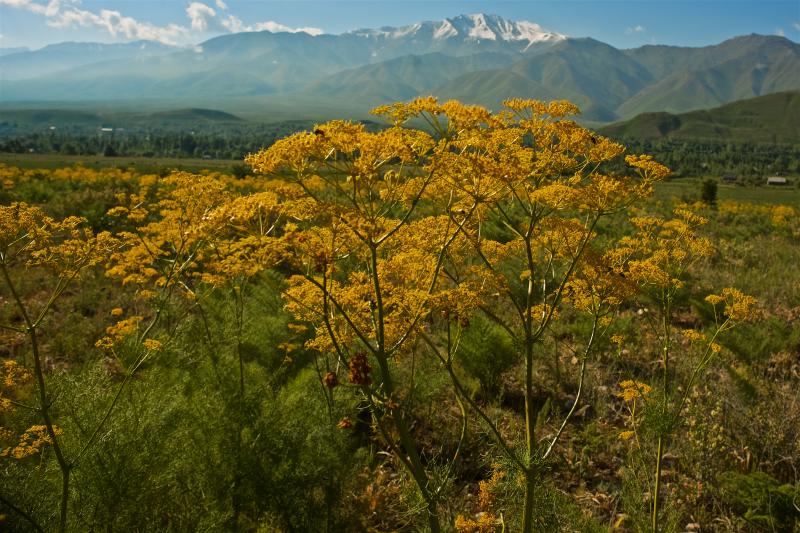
416,467
657,485
44,402
667,322
530,487
22,513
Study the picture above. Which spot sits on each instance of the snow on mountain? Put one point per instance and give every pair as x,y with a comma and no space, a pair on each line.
445,31
408,30
480,28
476,27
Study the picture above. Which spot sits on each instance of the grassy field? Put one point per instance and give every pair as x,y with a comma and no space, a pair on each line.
142,164
690,189
184,357
681,188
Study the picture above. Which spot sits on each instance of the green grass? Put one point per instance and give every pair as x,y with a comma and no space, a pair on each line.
142,164
690,188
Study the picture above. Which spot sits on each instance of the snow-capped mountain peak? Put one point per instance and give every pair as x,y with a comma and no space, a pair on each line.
480,28
476,27
492,27
445,31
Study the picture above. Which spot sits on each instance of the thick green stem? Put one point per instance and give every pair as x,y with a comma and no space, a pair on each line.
414,462
530,487
530,416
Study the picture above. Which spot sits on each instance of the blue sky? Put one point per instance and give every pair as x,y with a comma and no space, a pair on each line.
622,23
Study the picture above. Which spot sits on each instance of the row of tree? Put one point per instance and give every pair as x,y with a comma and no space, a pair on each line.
219,141
746,161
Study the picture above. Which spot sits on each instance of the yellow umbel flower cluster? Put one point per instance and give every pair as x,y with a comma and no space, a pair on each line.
632,389
30,443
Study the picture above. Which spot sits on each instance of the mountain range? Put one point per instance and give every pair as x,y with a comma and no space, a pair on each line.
480,59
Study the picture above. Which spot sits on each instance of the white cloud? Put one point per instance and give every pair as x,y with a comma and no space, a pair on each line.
780,32
275,27
796,26
48,10
203,19
235,25
199,15
118,25
635,29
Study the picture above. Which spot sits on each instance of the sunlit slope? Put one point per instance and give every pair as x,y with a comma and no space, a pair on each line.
706,77
771,118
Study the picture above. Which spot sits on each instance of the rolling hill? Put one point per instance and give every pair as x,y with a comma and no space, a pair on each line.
773,118
60,117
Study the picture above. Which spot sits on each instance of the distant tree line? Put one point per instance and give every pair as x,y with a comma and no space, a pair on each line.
746,161
749,162
189,140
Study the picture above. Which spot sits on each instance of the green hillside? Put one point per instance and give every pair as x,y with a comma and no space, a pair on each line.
50,116
403,78
774,118
195,115
65,117
739,68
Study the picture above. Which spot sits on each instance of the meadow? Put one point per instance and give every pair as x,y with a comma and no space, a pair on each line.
455,329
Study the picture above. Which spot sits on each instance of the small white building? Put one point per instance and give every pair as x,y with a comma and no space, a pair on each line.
777,180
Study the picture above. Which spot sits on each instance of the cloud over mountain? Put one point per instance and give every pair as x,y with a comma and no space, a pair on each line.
203,19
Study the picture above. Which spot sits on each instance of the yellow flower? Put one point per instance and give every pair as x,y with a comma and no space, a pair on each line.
633,389
483,523
31,442
152,345
739,307
693,335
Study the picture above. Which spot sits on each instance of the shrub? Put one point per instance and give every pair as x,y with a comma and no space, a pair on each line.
485,353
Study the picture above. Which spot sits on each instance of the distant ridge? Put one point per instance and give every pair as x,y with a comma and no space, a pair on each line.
50,117
25,64
773,118
62,117
479,59
195,115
